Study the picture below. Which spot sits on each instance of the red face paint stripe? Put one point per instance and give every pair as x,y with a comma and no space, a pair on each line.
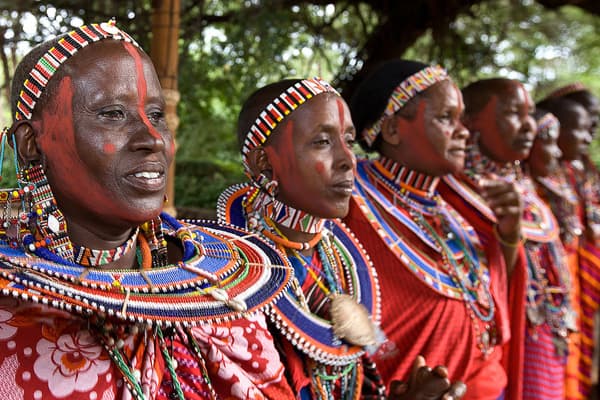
141,86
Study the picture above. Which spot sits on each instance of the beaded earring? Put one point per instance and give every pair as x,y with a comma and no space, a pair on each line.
16,213
50,223
271,186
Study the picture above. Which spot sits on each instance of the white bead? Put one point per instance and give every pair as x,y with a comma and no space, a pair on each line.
238,305
53,224
219,294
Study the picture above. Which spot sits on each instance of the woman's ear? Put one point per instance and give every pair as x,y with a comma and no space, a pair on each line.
258,162
390,130
26,147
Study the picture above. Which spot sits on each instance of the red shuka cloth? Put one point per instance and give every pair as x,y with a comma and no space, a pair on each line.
514,349
419,321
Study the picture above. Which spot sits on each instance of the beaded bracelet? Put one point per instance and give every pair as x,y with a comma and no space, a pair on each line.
504,242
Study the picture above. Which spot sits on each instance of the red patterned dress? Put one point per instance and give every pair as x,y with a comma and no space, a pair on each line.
50,354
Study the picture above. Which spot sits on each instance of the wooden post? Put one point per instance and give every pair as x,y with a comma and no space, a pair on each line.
164,53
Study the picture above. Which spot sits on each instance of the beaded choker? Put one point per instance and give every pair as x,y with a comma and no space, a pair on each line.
310,333
258,204
543,228
95,258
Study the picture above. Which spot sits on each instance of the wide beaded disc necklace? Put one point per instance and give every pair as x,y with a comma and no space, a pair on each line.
220,278
315,336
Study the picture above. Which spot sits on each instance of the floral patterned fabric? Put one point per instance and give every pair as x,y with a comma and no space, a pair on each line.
51,354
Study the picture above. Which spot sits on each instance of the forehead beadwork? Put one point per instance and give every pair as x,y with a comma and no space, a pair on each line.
406,90
568,89
37,80
546,124
279,109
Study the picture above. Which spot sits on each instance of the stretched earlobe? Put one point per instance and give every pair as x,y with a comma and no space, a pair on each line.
24,135
258,162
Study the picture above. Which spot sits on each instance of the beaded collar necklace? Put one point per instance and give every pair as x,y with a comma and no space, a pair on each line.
550,282
370,193
311,334
468,282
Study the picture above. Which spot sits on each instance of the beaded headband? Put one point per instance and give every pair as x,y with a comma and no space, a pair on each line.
406,90
568,89
547,122
277,110
50,62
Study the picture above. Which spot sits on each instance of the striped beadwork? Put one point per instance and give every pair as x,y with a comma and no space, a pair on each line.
279,109
223,276
406,90
48,64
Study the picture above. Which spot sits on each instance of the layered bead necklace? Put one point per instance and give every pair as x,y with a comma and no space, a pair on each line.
330,317
388,192
549,280
563,202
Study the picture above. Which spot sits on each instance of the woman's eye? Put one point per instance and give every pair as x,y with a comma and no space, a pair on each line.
156,117
321,142
350,140
112,114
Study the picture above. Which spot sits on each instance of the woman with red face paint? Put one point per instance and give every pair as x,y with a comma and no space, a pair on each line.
543,167
102,295
574,139
498,113
443,285
296,138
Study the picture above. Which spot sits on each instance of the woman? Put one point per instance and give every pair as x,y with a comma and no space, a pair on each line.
296,138
443,285
543,166
498,112
574,138
102,295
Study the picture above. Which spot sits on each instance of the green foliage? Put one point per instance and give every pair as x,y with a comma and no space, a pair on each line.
228,49
199,183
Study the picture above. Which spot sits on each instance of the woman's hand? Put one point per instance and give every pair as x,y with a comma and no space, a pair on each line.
425,383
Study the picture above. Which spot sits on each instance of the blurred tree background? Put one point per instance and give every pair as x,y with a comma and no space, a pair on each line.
229,48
